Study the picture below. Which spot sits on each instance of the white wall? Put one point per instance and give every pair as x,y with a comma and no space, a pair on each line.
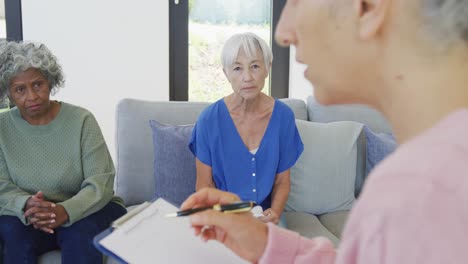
2,9
114,49
299,86
2,19
109,50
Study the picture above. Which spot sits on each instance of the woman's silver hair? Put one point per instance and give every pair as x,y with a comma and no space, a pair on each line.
17,57
448,19
250,43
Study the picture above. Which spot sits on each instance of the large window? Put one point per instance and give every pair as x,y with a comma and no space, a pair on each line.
198,30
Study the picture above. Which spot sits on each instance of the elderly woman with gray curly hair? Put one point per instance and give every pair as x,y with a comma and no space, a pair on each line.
56,174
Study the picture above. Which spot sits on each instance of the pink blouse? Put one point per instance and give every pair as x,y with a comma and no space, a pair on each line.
414,208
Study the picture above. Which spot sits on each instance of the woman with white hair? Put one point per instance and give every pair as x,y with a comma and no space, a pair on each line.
408,59
247,142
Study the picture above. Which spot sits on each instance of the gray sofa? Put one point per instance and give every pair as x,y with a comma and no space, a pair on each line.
135,182
134,160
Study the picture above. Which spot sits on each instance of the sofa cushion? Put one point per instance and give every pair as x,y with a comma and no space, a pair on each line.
51,257
174,164
55,256
334,222
134,178
309,226
379,146
360,164
322,180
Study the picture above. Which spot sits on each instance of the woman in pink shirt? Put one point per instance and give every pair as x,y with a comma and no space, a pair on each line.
408,59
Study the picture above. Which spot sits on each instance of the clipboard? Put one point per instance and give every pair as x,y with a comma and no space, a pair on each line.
145,235
103,249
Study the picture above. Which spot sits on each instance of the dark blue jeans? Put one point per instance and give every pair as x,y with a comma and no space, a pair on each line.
23,244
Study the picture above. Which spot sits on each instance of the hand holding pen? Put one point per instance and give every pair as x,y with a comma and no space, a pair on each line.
241,232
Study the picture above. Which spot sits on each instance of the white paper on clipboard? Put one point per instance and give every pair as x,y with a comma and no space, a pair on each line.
149,237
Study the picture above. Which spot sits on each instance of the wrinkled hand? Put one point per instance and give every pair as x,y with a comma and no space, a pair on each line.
269,215
61,216
240,232
39,212
44,215
37,200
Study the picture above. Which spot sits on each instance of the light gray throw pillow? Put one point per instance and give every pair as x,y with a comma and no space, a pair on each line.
322,180
174,164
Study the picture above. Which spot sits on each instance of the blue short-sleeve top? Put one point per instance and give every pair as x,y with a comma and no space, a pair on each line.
216,142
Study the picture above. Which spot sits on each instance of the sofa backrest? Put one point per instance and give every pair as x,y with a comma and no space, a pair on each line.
352,112
134,180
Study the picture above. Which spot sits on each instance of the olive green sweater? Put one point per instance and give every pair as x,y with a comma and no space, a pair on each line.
67,160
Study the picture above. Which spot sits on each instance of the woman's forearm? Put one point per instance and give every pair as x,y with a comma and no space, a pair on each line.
204,176
280,192
203,184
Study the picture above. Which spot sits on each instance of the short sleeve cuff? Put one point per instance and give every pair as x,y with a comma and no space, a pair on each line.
199,152
281,247
205,160
286,165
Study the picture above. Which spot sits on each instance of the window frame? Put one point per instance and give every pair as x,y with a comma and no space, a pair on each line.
14,21
179,53
14,24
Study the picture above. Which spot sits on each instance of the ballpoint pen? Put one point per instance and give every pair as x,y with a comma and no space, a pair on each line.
237,207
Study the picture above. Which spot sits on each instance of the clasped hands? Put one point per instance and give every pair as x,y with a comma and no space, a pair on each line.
44,215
